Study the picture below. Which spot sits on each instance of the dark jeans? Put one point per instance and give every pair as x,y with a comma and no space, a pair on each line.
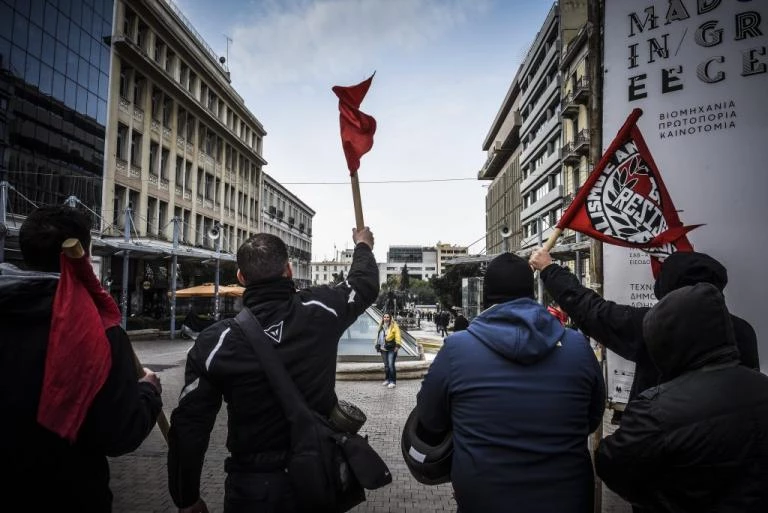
390,374
247,492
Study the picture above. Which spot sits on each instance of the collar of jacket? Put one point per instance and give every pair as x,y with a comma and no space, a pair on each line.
269,290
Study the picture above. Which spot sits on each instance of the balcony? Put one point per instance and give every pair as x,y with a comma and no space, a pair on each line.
547,200
547,165
541,72
502,149
574,150
581,90
570,109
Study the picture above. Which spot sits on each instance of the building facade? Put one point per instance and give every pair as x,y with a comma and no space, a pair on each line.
421,262
576,104
286,216
326,272
525,195
54,92
446,252
541,185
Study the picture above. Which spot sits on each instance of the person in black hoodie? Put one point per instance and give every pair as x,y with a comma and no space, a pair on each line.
41,470
305,326
698,441
619,327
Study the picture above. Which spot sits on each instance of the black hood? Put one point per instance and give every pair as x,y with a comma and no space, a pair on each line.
689,328
26,294
689,268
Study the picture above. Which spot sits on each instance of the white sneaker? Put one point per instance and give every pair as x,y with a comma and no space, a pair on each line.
391,385
385,383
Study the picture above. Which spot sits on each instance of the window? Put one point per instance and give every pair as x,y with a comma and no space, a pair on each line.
167,111
159,49
164,164
170,63
136,148
122,137
153,149
138,91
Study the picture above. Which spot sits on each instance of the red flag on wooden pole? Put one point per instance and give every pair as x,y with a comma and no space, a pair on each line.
357,129
625,202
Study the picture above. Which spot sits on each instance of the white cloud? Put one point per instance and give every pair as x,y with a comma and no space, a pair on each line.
299,40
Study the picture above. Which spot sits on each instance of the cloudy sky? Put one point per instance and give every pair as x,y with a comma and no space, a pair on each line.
442,69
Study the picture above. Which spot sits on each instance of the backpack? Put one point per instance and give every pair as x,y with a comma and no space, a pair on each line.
328,468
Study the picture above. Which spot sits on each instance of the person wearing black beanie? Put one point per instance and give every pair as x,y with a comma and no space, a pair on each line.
521,394
620,327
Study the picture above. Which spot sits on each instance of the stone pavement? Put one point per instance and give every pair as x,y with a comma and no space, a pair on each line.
139,480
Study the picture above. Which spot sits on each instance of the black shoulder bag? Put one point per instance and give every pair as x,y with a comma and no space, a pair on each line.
328,468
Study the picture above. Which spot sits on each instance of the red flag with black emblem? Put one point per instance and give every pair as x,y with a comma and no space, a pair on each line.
624,201
357,127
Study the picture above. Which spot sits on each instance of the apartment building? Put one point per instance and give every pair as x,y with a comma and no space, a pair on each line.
503,202
446,252
323,271
541,185
576,104
286,216
180,141
421,262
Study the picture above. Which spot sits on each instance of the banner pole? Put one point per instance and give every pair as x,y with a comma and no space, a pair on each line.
553,238
357,203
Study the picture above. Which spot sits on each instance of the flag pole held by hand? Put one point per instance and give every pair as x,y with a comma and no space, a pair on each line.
74,250
552,239
357,202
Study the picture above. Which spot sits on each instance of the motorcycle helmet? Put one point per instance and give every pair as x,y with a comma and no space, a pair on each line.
429,464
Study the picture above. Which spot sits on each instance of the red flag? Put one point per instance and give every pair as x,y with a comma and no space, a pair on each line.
624,201
79,357
357,127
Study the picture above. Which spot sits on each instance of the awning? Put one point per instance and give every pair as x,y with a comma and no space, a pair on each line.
207,290
151,248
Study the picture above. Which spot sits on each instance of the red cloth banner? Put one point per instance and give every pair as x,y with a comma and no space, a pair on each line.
79,356
624,201
357,127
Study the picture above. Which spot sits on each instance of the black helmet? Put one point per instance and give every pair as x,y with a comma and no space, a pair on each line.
429,464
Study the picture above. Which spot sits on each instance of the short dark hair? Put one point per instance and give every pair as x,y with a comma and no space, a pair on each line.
262,257
42,233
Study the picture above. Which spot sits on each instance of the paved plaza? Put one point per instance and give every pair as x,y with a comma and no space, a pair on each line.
139,480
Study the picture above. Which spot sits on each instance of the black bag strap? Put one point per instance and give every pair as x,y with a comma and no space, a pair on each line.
293,403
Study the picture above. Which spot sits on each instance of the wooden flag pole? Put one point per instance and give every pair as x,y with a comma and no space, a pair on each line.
552,239
357,203
74,250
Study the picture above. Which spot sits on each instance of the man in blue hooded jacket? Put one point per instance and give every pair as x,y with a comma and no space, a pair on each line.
521,393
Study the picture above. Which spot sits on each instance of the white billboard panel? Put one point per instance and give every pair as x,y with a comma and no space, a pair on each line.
699,71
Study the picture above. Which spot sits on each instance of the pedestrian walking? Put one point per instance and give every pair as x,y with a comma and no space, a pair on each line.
305,326
521,394
445,318
388,343
460,322
696,442
70,403
619,327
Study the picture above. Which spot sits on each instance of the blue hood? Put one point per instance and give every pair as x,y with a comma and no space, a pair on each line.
521,330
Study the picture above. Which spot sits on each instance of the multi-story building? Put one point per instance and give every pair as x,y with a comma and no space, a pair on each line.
541,185
420,261
523,149
503,202
286,216
446,252
323,272
54,81
576,104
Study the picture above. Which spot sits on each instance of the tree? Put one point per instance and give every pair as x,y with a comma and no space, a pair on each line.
448,287
405,280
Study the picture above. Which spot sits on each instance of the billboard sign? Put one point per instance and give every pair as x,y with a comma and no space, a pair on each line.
699,71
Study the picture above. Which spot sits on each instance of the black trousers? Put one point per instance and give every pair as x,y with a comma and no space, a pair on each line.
258,492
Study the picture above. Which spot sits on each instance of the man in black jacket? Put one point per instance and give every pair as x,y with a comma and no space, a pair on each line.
42,471
306,326
619,327
698,441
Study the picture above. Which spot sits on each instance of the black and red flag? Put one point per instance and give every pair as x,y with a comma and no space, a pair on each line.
624,201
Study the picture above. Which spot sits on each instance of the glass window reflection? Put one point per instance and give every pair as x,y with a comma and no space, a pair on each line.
48,51
20,30
51,16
